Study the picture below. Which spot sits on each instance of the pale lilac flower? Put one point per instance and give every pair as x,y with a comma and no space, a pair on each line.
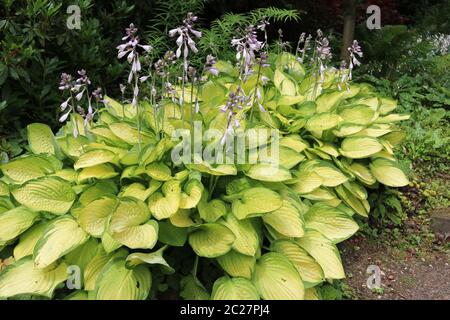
129,49
236,102
184,40
246,47
210,65
355,50
66,82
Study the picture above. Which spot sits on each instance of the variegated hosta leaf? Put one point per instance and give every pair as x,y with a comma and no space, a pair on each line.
359,147
82,255
116,282
139,191
93,218
182,219
217,170
237,264
211,240
361,206
164,204
191,194
129,134
158,171
307,267
96,191
41,139
101,171
24,277
254,202
286,220
61,236
4,189
356,189
247,239
330,222
306,181
95,266
268,172
93,158
331,176
109,243
137,258
294,142
28,240
362,173
327,101
50,194
276,278
388,173
14,222
130,225
324,252
226,288
358,114
322,121
211,211
24,169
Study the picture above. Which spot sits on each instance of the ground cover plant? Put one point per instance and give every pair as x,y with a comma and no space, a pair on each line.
118,204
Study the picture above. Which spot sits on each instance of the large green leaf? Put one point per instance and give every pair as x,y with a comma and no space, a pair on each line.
23,277
49,194
331,222
276,278
41,139
15,221
247,239
307,267
137,258
388,172
93,158
226,288
24,169
286,220
211,240
93,218
61,236
130,225
167,202
28,240
116,282
255,201
237,264
324,252
360,147
268,172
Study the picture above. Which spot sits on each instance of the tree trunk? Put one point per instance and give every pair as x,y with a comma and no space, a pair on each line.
349,28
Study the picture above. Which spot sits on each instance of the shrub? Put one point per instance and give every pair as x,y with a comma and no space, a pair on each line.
118,198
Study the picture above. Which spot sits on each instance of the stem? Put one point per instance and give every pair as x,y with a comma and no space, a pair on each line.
194,270
256,88
137,111
192,104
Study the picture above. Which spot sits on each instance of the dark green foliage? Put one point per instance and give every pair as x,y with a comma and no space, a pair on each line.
36,46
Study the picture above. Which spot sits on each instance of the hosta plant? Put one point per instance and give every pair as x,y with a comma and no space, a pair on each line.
118,213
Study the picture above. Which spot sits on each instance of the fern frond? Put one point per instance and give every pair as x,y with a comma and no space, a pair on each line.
274,14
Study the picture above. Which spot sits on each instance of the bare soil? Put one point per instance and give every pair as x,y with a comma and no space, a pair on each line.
421,273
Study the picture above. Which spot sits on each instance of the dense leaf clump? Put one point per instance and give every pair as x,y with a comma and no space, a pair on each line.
113,202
